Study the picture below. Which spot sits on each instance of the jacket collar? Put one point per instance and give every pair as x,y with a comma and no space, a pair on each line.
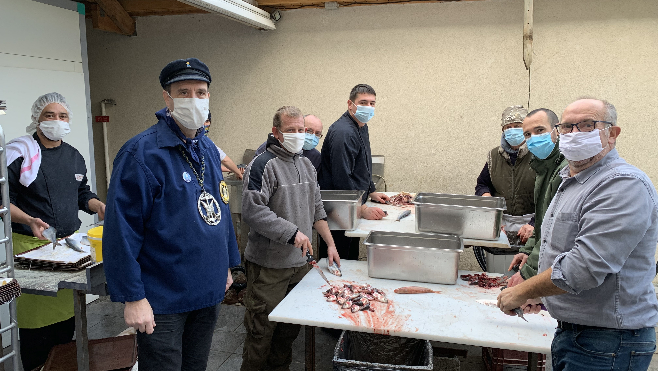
166,135
273,145
554,159
584,175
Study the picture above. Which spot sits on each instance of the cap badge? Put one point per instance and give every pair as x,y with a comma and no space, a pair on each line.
188,64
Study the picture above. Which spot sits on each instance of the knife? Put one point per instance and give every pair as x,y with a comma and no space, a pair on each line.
311,261
508,274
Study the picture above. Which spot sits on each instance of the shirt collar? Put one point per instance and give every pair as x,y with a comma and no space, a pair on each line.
584,175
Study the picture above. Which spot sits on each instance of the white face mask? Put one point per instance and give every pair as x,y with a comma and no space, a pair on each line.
192,113
54,129
580,146
293,142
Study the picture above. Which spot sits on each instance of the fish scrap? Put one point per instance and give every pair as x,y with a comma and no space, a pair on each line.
355,297
333,269
481,280
401,199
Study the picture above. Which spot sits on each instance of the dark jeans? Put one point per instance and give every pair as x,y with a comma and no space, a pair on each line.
37,342
347,247
179,342
587,349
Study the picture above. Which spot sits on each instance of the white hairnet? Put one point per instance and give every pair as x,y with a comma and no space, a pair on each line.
40,104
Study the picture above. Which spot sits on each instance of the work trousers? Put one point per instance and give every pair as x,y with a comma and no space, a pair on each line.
347,247
179,342
583,348
36,343
268,344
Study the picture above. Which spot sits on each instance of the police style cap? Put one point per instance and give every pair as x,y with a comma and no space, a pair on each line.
513,114
184,69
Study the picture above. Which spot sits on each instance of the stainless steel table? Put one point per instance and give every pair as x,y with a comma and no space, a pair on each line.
88,281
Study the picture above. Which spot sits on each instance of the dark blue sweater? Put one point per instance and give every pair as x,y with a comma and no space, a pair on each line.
346,159
156,245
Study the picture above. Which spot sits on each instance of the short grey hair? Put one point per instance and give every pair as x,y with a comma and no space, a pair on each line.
288,111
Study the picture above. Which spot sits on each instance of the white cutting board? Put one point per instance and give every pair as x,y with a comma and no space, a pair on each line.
453,316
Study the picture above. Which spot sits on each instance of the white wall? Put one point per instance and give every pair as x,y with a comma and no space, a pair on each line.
41,52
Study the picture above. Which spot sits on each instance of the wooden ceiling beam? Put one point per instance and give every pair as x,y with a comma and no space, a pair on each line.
295,4
113,9
141,8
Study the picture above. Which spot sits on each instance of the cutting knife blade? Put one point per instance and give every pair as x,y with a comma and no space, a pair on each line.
311,261
508,274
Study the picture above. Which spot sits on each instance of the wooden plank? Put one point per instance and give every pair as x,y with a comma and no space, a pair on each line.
527,33
100,21
118,15
295,4
141,8
81,337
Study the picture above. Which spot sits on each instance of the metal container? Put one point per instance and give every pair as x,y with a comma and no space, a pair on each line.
343,209
417,257
234,193
473,217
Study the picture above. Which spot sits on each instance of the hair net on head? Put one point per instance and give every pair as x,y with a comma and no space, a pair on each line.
40,104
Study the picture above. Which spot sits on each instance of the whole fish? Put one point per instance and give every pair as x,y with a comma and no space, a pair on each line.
51,235
73,244
415,290
403,215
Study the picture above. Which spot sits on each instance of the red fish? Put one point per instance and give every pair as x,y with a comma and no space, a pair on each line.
415,290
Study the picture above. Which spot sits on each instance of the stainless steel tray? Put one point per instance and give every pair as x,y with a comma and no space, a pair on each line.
414,256
473,217
343,209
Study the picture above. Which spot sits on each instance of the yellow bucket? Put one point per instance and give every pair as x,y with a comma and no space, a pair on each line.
95,236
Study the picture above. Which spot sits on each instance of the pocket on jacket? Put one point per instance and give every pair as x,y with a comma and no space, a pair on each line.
565,230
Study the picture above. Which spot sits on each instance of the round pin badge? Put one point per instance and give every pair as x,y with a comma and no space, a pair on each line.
187,177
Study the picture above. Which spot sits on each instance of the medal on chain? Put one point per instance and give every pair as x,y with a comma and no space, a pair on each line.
207,205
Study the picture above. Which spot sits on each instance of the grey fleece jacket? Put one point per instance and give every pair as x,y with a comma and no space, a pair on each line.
280,195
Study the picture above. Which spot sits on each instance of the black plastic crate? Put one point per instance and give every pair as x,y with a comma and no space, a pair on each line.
348,357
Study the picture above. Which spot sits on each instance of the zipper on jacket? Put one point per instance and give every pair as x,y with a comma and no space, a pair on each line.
294,163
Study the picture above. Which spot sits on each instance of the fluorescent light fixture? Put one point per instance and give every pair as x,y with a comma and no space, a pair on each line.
3,107
237,10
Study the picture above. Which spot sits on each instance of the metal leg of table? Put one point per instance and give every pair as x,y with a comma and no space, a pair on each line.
533,360
81,338
309,338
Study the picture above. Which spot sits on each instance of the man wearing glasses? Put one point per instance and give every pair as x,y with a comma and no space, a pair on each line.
597,251
313,128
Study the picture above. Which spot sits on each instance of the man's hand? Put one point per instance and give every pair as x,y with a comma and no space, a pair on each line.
525,232
229,280
372,213
509,299
515,279
379,197
38,226
519,259
97,207
486,194
138,314
302,242
332,255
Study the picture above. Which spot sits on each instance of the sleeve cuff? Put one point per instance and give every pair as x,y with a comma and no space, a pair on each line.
557,275
291,241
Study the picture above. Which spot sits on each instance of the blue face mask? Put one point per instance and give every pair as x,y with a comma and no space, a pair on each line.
541,145
364,113
514,136
310,141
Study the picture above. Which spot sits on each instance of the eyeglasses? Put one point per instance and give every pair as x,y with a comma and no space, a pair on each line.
583,126
310,131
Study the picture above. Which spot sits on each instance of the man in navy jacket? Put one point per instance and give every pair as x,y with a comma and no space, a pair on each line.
168,238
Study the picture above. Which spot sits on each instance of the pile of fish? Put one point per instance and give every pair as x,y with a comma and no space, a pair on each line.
481,280
355,297
401,199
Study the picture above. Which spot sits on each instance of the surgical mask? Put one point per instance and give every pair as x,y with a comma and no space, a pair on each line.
54,129
514,136
541,145
580,145
293,142
310,141
364,113
192,113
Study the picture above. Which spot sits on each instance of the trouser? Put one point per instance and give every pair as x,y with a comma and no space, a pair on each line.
36,343
179,342
347,247
268,344
585,348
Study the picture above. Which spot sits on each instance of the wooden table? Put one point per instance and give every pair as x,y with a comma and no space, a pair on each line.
453,316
